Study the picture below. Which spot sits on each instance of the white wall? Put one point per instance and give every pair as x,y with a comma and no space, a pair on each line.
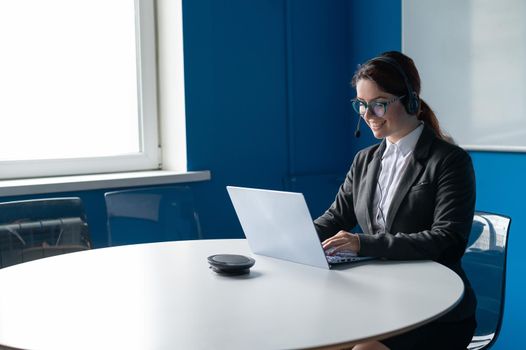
471,56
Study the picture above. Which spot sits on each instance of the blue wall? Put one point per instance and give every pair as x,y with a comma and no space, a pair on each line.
267,91
500,188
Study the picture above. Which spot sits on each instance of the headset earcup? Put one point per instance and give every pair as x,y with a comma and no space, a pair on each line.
413,103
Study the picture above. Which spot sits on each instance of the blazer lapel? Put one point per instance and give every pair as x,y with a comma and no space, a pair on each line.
373,169
412,172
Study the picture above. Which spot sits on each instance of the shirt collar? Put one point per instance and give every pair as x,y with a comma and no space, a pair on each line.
406,144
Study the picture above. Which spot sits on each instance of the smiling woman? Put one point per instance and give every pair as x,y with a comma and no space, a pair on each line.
412,195
78,87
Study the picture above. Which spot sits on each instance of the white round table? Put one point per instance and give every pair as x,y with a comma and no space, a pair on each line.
164,296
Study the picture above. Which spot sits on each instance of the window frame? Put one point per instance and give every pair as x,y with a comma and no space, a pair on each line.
149,157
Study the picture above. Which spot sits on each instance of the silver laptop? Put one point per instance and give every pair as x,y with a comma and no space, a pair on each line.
278,224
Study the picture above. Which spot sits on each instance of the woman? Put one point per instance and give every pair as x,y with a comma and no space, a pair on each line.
413,195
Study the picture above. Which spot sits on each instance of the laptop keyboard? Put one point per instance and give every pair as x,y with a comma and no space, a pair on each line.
341,257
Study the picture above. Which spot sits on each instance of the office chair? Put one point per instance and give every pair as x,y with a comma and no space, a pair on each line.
153,214
484,262
39,228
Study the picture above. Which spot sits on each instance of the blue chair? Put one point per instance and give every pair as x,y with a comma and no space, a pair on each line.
484,262
153,214
39,228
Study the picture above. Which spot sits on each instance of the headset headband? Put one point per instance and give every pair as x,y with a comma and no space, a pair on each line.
413,102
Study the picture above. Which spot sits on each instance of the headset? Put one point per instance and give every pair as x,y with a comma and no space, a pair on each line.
412,103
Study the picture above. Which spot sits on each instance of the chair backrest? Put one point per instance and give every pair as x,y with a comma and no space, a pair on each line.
151,214
484,262
34,229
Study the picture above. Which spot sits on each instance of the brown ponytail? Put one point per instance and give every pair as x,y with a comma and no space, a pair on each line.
427,115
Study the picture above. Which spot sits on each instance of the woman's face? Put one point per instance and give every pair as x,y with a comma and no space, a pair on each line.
395,123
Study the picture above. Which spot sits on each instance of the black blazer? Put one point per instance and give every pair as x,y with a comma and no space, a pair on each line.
431,213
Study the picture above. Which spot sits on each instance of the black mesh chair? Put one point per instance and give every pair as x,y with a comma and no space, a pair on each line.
39,228
485,265
153,214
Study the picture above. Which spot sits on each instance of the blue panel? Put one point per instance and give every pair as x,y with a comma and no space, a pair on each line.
235,92
319,89
500,188
266,96
319,111
235,101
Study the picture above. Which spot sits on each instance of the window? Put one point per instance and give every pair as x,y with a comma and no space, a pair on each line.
78,87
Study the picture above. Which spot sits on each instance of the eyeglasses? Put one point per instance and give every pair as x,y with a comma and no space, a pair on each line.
376,107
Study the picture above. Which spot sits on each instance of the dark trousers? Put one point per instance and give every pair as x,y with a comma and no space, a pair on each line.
435,335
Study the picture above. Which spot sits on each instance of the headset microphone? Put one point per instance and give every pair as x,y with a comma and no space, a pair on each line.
357,132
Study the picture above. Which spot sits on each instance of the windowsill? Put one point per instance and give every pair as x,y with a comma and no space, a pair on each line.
98,181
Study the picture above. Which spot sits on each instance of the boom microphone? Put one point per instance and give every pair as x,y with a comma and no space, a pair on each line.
357,132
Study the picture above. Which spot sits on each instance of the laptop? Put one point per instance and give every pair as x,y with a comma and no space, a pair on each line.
278,224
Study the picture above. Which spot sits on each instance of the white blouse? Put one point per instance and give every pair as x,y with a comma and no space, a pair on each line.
394,163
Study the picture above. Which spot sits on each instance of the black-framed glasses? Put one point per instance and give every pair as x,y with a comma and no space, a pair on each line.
378,108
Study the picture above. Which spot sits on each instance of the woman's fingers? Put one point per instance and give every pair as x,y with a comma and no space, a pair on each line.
334,242
341,238
341,241
346,247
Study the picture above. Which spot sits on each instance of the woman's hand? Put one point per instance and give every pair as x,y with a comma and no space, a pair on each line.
342,241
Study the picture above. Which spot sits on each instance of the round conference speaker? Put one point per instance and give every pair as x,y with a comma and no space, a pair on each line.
231,264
